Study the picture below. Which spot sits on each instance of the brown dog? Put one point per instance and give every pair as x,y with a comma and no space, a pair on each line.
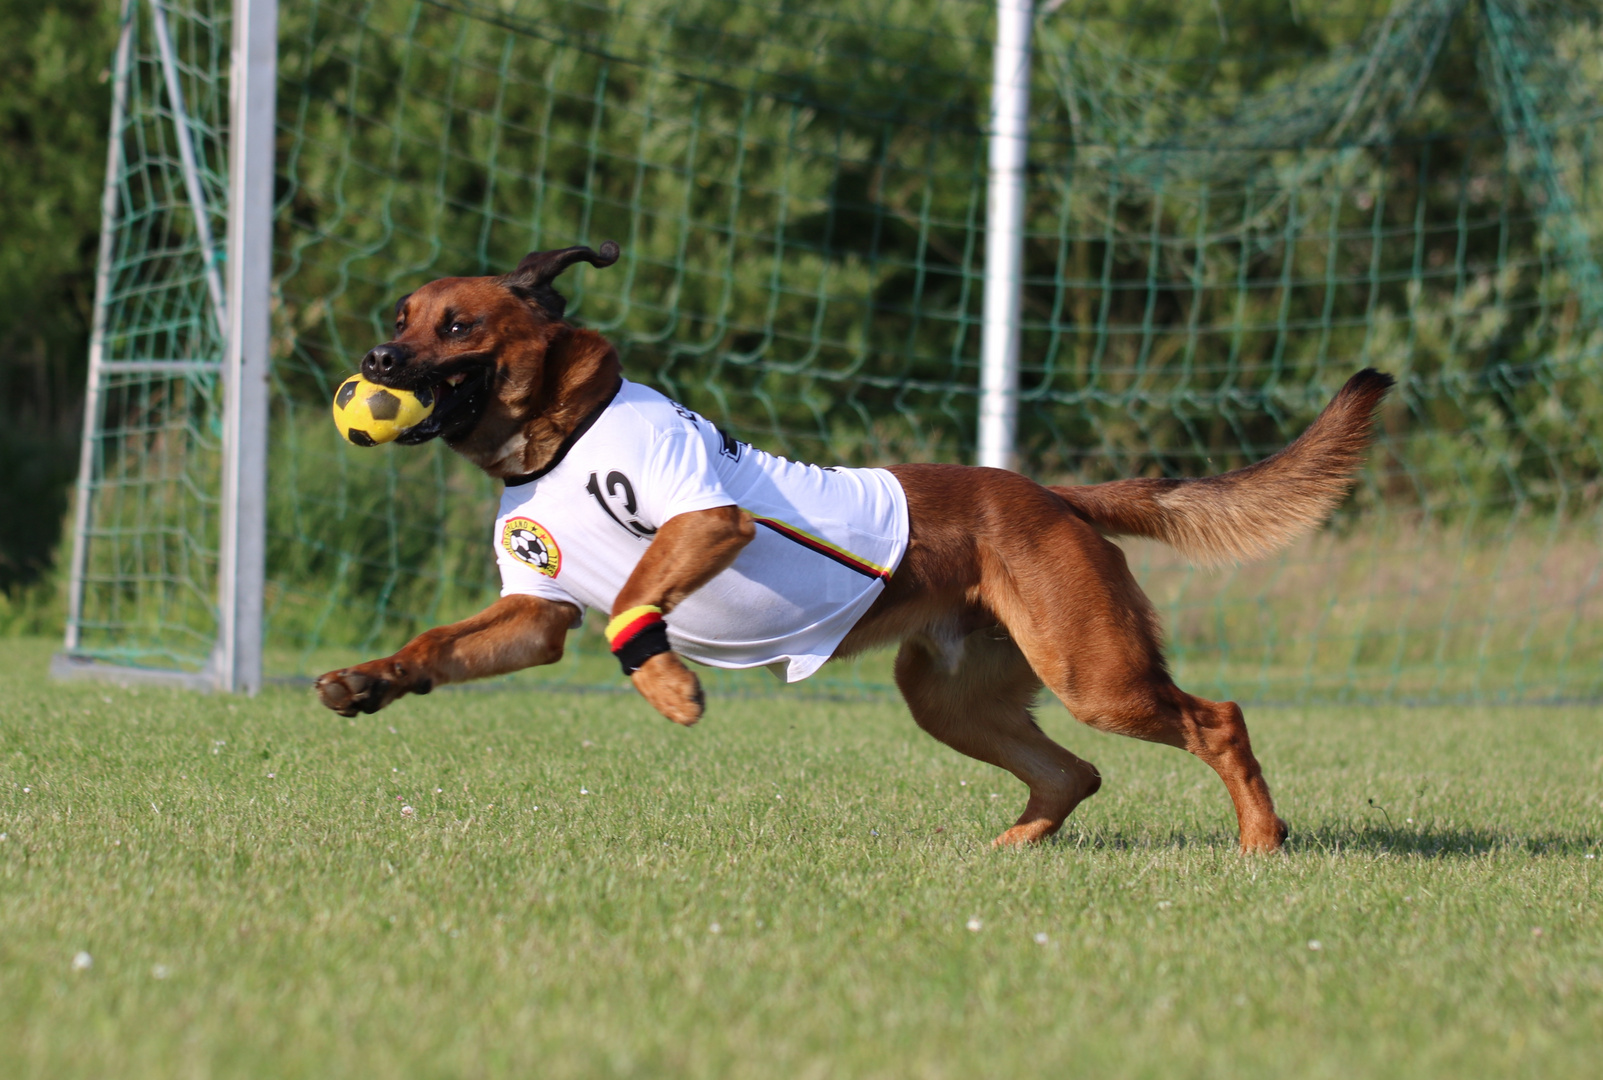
1005,585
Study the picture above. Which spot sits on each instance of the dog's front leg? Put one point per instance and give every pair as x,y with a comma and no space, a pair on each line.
513,633
688,551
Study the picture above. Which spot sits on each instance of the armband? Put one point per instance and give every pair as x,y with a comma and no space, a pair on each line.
636,635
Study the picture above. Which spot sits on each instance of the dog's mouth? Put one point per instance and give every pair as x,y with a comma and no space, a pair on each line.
460,398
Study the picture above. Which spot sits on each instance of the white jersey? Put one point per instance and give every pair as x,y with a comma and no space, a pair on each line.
827,538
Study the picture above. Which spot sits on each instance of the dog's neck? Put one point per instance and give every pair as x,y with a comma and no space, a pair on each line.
580,371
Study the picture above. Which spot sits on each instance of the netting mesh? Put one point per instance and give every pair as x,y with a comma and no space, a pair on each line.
149,579
1231,208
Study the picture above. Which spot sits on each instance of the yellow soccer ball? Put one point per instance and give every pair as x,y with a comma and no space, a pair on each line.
368,414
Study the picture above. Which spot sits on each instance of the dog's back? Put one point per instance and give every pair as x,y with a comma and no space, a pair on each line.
1250,512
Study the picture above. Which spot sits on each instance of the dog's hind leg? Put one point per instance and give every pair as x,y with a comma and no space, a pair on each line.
974,695
1216,732
1089,633
1155,709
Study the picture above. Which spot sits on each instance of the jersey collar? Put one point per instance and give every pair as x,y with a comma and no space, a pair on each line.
567,444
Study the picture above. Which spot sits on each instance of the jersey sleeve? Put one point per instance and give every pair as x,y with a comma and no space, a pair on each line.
681,476
517,555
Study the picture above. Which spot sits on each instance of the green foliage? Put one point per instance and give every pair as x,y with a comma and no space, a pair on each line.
53,105
799,222
37,461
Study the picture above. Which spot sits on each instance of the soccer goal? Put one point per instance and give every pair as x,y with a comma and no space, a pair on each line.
1085,239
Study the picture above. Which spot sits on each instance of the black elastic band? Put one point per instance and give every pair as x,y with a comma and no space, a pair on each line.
642,647
567,443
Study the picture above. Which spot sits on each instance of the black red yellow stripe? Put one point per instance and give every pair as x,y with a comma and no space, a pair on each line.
626,624
636,635
824,548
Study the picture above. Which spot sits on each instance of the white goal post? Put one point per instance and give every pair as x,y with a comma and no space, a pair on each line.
241,305
1004,233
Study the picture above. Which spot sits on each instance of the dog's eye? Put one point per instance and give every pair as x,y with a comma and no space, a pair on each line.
458,327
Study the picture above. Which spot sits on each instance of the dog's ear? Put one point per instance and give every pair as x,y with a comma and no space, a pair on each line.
532,279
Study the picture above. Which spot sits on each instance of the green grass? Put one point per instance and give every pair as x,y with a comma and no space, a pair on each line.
783,891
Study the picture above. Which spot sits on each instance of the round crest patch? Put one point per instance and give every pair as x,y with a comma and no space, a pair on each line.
532,544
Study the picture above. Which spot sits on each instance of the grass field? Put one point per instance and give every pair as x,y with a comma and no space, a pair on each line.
565,885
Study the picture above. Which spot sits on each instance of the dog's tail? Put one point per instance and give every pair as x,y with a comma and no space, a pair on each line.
1250,512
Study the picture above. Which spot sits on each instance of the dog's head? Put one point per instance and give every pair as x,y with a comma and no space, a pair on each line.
500,360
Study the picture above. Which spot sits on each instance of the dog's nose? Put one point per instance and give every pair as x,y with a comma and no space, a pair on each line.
384,359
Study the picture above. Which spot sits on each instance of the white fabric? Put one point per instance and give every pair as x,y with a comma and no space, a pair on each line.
577,532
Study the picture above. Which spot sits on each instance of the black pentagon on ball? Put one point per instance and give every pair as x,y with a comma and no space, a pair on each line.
425,397
383,405
347,392
360,438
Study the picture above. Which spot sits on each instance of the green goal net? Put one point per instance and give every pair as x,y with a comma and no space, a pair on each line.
1231,207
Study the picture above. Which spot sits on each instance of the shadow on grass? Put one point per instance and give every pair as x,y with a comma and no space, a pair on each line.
1368,840
1439,843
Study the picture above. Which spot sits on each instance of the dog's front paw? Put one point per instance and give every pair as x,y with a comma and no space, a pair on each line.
367,688
671,688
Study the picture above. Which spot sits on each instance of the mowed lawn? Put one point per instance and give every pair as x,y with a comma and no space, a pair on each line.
535,884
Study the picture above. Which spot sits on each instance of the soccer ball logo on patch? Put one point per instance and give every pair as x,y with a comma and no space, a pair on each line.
532,544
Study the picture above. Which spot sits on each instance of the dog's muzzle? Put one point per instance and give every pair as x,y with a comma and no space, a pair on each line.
387,362
460,388
458,406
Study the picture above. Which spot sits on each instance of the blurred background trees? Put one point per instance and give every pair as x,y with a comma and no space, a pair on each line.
54,103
